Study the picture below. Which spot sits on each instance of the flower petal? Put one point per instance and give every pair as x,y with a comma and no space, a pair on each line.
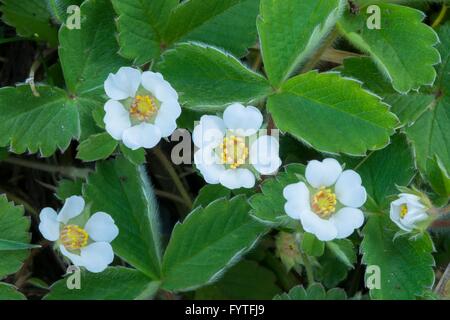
76,259
208,165
49,225
349,190
101,227
209,132
323,229
346,221
124,84
245,121
143,135
323,174
73,207
160,88
264,155
97,256
117,119
297,196
237,178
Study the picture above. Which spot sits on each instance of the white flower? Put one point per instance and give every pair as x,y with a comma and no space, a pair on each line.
142,109
328,206
88,246
407,211
230,151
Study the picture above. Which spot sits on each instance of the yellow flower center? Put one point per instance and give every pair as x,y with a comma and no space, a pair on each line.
73,237
143,108
234,151
403,210
324,203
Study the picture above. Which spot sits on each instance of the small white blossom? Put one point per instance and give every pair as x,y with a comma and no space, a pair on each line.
230,151
407,211
328,206
143,108
86,246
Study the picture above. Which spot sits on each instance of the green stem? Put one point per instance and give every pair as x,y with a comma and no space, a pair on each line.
174,175
316,57
440,17
70,172
308,268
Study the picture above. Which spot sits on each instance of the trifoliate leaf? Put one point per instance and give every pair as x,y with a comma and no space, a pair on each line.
227,24
115,283
209,193
291,30
140,25
13,227
382,171
209,79
314,292
31,18
397,267
123,190
407,107
97,147
45,123
59,9
9,292
247,280
223,231
314,107
402,48
268,206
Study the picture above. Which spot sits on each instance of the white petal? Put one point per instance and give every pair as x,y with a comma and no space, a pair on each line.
123,84
160,88
413,217
209,132
76,259
297,192
322,174
245,121
346,221
349,190
171,108
49,225
394,212
73,207
117,119
97,256
293,209
166,126
207,162
143,135
323,229
237,178
264,155
101,227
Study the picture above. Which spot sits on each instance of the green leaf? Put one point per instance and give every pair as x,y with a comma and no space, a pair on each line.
209,241
245,281
402,48
89,54
312,107
68,188
140,24
405,264
291,30
438,177
408,107
268,206
97,147
343,250
33,124
13,227
125,192
311,245
7,245
382,171
134,156
314,292
209,193
208,79
58,8
9,292
31,19
115,283
227,24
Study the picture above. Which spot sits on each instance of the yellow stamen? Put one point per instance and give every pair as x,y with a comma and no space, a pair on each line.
73,237
143,108
403,210
324,203
234,151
